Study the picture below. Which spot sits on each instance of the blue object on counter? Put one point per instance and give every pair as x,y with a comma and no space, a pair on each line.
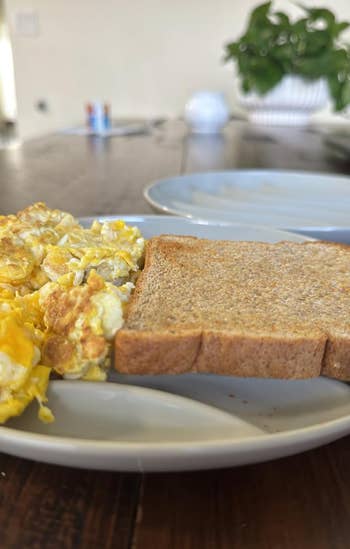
107,117
98,118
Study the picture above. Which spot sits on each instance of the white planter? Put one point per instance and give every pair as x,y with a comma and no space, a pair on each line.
291,102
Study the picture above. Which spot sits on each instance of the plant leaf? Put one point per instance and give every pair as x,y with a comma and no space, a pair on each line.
265,74
317,41
283,18
260,13
246,87
273,46
346,93
316,14
338,28
232,50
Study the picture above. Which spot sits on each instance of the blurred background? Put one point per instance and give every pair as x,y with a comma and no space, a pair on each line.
145,58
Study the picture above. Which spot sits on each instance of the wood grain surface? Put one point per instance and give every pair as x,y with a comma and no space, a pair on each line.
45,506
294,503
297,502
96,176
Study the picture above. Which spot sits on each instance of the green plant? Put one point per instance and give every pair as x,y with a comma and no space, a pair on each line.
273,46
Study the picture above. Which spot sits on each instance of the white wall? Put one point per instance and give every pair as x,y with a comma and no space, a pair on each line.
144,56
8,108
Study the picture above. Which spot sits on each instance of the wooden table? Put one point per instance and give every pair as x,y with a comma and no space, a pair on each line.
293,503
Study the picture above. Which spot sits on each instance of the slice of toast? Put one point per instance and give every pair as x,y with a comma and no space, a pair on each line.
247,309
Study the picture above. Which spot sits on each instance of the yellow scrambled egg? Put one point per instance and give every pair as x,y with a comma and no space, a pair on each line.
21,377
63,290
80,323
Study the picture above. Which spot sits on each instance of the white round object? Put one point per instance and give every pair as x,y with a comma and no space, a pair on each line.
206,112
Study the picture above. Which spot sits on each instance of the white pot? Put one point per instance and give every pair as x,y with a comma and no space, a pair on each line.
291,102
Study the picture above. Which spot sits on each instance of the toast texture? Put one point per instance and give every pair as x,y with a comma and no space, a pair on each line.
248,309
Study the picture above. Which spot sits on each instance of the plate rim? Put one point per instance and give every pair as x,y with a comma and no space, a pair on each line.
157,206
119,447
135,218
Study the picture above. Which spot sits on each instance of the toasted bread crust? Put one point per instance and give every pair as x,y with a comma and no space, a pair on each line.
157,353
245,309
336,361
268,356
219,353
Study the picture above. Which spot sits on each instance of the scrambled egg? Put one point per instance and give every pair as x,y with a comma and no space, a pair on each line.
81,322
22,378
24,239
63,290
113,249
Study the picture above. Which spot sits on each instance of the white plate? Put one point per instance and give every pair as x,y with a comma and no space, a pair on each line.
181,422
284,199
152,225
219,422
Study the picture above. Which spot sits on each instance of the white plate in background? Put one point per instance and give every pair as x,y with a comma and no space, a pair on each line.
295,201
